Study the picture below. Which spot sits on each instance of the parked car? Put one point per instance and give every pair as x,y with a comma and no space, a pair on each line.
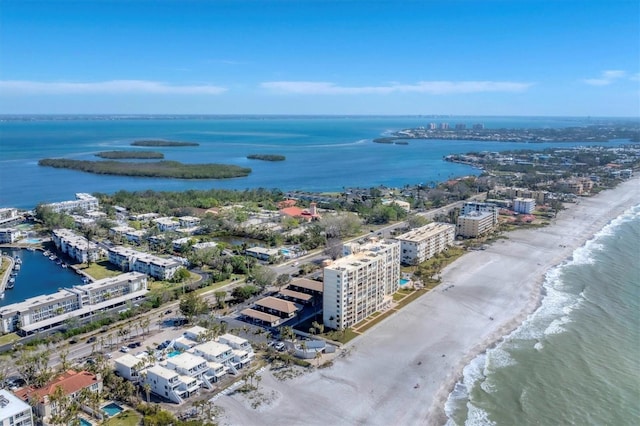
131,345
168,311
91,339
279,346
124,349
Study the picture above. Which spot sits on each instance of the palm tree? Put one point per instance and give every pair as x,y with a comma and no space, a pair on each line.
147,391
318,357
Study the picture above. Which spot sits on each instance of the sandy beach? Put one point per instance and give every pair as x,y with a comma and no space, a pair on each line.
402,370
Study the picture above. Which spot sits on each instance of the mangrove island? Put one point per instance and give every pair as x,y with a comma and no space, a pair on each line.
154,142
158,169
266,157
128,155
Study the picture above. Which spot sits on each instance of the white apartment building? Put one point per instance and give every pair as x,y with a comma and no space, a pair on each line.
168,383
423,243
188,221
129,367
524,205
9,235
475,224
14,411
8,215
83,201
166,224
50,310
361,283
133,260
75,246
190,365
475,207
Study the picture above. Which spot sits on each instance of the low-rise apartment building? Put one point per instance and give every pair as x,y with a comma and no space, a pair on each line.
9,215
51,310
83,202
9,235
128,259
425,242
75,246
14,411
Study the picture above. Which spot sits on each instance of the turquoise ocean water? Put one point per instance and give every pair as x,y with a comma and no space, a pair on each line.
575,361
322,153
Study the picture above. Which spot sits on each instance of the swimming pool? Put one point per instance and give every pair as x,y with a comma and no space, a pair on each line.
84,422
112,409
174,353
32,240
403,281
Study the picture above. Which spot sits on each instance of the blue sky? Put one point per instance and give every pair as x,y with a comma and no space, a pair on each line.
511,57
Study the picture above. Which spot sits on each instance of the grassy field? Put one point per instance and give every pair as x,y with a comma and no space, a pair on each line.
8,338
100,270
126,418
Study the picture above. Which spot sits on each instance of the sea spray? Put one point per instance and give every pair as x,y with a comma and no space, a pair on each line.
574,358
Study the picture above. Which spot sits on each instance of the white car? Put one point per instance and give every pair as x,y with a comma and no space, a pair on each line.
124,349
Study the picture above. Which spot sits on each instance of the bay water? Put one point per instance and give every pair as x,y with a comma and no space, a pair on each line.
323,154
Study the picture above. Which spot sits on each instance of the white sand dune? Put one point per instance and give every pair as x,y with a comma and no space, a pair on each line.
403,369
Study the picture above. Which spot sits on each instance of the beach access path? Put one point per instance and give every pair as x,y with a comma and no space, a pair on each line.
402,370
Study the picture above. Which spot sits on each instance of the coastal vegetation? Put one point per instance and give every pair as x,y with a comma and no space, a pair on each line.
159,142
128,155
266,157
159,169
593,133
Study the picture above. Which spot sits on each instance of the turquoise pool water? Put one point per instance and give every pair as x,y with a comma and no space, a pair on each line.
34,241
84,422
174,353
403,281
112,409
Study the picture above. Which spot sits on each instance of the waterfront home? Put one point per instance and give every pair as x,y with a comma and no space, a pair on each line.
475,224
165,383
188,221
262,253
71,382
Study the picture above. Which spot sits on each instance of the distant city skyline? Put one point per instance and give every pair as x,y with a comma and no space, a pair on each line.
496,57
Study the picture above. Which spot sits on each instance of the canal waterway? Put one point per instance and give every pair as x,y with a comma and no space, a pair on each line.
38,275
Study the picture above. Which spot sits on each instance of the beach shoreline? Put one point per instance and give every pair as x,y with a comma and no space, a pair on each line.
403,369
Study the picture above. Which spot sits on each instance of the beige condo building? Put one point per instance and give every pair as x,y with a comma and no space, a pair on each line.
360,284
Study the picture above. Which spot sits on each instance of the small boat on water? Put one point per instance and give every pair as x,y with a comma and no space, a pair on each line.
46,253
31,248
64,265
16,267
17,259
53,257
11,283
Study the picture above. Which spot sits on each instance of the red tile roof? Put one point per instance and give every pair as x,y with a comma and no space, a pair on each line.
70,381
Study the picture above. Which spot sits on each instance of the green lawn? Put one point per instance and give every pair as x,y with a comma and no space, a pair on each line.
8,338
126,418
100,270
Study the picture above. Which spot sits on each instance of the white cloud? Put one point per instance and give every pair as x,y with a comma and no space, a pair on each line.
105,87
606,78
429,87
